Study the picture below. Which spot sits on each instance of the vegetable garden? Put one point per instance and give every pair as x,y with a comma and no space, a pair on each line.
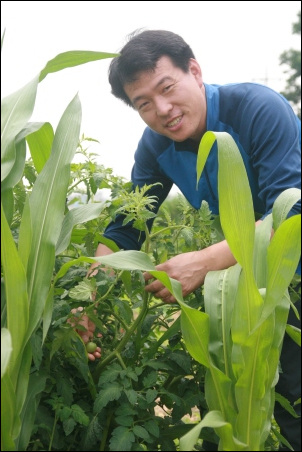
170,375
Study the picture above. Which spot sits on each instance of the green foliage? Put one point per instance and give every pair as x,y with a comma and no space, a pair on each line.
240,334
36,217
150,384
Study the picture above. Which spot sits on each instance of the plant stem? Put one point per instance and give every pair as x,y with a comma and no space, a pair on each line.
106,430
126,337
53,432
167,229
121,361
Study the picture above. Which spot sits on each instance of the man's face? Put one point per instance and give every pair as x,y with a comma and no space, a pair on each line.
170,101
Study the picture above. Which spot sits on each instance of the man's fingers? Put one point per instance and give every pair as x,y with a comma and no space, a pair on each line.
154,286
93,356
147,276
160,291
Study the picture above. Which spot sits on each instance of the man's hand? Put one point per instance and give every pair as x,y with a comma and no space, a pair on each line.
190,269
87,334
186,268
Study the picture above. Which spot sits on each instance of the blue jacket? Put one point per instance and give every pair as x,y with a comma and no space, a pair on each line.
266,131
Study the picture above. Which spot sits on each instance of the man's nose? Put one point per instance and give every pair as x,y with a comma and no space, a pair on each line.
163,106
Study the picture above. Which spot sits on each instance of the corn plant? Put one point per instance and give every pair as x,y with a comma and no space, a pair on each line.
246,308
28,268
239,336
47,236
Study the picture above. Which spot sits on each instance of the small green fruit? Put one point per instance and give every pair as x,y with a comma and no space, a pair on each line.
91,347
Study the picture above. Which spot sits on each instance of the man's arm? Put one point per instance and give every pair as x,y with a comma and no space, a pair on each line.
191,268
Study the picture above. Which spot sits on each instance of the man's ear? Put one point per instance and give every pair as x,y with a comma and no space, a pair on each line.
195,70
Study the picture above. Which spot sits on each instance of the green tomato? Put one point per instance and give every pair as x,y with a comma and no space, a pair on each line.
91,347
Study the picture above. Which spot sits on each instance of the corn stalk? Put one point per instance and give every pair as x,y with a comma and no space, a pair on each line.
246,308
29,267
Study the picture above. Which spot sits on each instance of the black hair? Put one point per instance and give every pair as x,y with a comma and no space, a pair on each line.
141,53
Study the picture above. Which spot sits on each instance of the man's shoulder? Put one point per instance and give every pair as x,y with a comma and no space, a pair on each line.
246,89
248,97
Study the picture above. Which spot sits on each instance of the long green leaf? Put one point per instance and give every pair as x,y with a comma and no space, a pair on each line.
220,289
16,291
17,169
236,212
8,417
71,59
6,349
138,260
215,420
285,201
47,204
283,256
235,201
35,387
195,331
39,137
127,260
250,388
294,333
16,109
262,240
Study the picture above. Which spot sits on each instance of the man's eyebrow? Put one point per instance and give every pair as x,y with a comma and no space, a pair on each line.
166,78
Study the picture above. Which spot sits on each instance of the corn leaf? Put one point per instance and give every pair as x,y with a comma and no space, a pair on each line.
285,201
8,421
6,349
220,289
39,137
16,291
35,387
46,206
262,240
16,109
71,59
195,331
294,333
215,420
283,256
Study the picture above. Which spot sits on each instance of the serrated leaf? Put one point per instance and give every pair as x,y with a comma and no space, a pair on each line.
141,432
93,435
157,365
65,413
83,290
110,374
69,426
126,421
182,360
79,415
151,395
150,379
122,439
152,428
131,396
108,394
125,410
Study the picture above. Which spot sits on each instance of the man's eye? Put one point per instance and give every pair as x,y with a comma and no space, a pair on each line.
143,105
167,88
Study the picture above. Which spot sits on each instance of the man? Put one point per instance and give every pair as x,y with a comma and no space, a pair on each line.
157,75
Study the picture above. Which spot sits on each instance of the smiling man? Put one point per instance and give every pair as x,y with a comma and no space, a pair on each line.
157,75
